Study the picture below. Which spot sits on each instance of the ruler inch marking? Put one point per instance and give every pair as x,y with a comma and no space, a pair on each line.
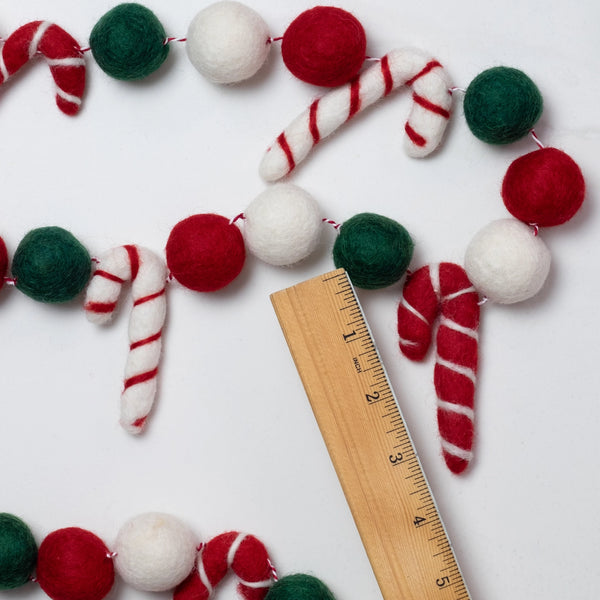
377,466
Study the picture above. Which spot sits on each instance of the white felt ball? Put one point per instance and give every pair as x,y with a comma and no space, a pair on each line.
282,225
155,552
506,262
227,42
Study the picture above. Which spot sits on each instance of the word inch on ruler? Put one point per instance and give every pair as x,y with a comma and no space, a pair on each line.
368,441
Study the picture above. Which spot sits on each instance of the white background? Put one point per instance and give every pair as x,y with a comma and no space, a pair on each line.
232,443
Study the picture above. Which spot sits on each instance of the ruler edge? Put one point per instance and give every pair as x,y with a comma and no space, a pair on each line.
324,277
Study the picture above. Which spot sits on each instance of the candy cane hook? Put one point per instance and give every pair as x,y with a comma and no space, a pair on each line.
62,53
148,274
445,289
244,554
424,128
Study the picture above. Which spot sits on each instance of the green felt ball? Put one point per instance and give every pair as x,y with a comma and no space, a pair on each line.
51,265
374,250
128,42
299,587
502,105
18,552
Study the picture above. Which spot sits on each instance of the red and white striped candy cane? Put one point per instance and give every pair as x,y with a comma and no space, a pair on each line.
244,554
424,128
445,289
62,53
148,274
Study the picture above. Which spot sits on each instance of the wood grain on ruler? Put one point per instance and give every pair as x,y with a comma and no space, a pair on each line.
367,440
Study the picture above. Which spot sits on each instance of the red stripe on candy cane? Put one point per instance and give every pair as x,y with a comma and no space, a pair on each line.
416,139
134,260
150,297
445,291
109,276
427,69
100,307
387,75
148,340
438,110
140,423
354,98
283,143
314,128
141,378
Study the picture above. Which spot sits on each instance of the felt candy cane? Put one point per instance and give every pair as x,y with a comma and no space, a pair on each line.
148,274
62,53
424,128
244,554
445,289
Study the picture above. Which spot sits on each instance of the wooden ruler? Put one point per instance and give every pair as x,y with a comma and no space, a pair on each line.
367,439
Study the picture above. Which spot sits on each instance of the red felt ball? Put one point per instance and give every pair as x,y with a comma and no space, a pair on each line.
74,564
544,187
324,46
205,252
3,262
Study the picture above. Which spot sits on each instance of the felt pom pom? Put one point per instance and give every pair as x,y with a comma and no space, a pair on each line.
155,552
282,225
501,105
18,552
205,252
50,265
324,46
374,250
74,564
545,187
128,42
299,587
227,42
506,262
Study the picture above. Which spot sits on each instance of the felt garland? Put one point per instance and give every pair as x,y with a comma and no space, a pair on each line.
506,261
154,552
